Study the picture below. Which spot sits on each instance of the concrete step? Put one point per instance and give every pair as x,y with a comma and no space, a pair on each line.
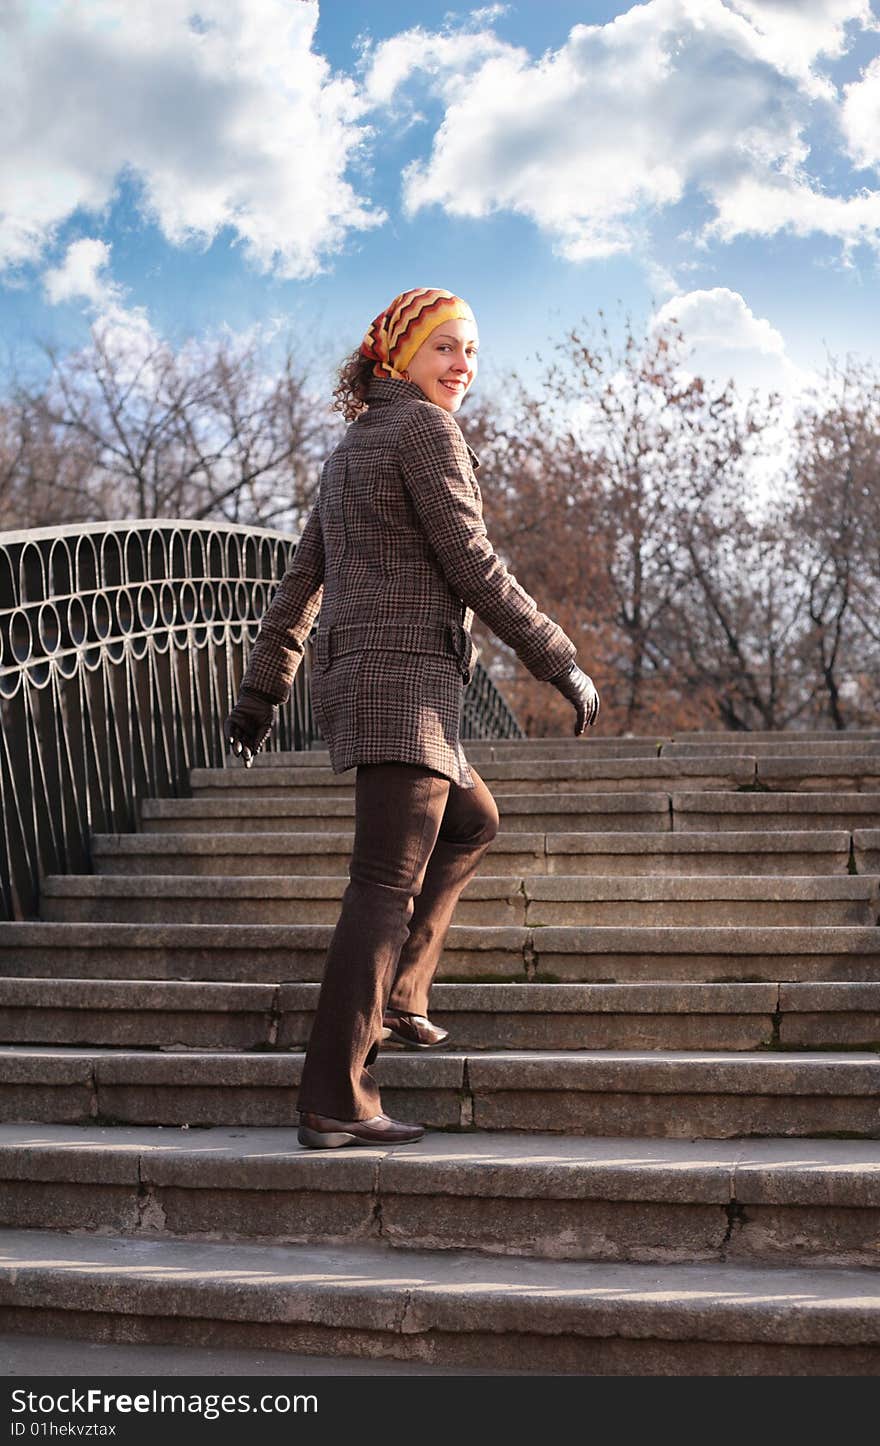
744,746
606,775
551,1196
501,750
259,953
713,812
520,813
446,1307
634,746
651,812
761,735
673,1094
501,899
584,750
314,854
782,772
174,1015
691,767
771,854
24,1354
866,848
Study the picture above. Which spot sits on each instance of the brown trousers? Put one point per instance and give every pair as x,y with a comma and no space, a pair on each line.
418,839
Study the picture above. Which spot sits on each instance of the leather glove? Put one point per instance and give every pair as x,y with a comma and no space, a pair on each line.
249,724
580,690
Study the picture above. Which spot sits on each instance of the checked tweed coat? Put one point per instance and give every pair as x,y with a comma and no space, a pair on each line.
396,558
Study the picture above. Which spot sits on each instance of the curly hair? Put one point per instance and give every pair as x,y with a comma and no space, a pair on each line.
350,394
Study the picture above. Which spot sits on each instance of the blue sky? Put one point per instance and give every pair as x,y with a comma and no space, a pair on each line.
177,168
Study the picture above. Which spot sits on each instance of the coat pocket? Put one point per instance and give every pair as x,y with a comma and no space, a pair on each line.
333,693
465,650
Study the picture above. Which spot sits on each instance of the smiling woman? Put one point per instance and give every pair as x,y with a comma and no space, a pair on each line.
395,554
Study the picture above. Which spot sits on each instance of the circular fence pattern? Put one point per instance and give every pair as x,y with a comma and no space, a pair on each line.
134,585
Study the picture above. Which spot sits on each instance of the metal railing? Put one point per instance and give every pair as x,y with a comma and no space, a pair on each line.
121,650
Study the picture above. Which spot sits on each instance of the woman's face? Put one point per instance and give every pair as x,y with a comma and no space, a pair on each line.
446,363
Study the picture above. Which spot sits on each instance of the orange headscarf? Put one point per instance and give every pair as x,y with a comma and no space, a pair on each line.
397,333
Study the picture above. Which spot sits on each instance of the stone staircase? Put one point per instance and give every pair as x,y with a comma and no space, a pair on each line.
654,1147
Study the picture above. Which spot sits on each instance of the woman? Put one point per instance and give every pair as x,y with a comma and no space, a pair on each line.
396,556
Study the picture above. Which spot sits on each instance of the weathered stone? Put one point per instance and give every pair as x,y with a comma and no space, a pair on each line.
830,1015
80,898
286,855
866,850
636,902
416,1298
574,1016
856,772
520,813
696,854
137,1014
517,776
229,952
707,954
779,746
709,812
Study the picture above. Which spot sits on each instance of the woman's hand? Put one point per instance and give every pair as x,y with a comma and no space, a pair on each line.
580,690
249,724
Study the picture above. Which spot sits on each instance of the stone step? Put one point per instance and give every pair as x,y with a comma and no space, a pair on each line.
782,772
651,812
657,855
446,1307
771,735
520,813
673,1094
197,1015
683,767
500,899
584,750
712,812
866,848
607,775
500,750
550,1196
259,953
635,746
743,746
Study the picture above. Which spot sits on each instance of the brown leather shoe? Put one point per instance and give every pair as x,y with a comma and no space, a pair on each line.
317,1132
414,1030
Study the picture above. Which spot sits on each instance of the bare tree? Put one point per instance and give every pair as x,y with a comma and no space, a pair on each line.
211,430
837,523
539,503
661,443
44,479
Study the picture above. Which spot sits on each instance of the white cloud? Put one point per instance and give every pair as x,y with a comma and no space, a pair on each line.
81,275
125,332
447,58
673,99
860,115
227,118
761,206
795,33
726,340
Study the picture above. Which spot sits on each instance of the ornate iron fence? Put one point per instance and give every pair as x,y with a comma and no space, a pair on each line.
121,649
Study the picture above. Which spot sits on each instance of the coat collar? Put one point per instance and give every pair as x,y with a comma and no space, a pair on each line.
385,390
